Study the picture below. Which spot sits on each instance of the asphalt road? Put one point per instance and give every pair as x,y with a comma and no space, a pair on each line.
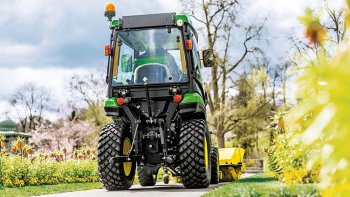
160,189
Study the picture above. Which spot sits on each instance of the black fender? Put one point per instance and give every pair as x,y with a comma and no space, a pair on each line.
192,110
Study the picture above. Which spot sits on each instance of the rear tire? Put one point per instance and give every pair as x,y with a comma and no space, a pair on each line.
214,166
114,141
194,154
146,177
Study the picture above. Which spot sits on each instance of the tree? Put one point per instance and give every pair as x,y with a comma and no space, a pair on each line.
335,24
276,75
71,134
284,77
248,112
29,102
87,93
217,18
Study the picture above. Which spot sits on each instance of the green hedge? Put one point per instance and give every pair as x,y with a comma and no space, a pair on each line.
17,171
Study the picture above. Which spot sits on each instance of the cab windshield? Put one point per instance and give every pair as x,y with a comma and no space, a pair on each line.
149,55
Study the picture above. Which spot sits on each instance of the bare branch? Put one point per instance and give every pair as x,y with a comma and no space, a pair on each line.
249,37
237,120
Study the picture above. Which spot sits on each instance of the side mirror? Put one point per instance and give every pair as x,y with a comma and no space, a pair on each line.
208,57
126,63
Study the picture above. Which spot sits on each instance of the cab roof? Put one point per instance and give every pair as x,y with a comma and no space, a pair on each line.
150,20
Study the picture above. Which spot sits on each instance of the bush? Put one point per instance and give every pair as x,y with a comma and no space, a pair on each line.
18,169
288,158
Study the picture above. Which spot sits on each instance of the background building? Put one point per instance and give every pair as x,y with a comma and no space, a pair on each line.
8,128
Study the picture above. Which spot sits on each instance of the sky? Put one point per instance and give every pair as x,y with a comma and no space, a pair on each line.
47,42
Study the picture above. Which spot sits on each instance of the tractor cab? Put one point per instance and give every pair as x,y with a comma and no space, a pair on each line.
157,53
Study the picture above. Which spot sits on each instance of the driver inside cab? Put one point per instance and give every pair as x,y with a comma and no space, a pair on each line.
157,54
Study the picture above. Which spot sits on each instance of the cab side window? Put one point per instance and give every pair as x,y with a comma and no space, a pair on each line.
125,68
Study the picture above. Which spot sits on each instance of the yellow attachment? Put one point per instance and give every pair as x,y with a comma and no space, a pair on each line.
182,55
228,174
116,60
243,168
206,155
230,156
126,148
177,179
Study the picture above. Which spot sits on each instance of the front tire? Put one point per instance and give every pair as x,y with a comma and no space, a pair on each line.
194,154
115,140
146,177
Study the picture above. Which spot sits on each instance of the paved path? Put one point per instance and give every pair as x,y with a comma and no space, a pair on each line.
169,190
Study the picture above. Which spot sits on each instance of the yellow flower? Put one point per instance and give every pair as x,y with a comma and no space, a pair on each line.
18,183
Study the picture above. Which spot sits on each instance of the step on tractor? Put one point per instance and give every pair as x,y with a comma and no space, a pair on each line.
157,101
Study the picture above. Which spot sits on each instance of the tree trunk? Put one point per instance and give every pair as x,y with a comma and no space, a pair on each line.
222,116
221,140
284,95
31,121
257,144
264,89
24,124
273,98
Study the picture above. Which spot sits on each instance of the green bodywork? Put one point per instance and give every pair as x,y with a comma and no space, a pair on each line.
183,17
114,23
110,102
186,98
126,63
156,59
192,98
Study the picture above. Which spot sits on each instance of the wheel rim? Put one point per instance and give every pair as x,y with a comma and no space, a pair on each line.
126,148
206,155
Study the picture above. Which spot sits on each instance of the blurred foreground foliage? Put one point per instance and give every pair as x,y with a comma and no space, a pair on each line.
288,157
311,141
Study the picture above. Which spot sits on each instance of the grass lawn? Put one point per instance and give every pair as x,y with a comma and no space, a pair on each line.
47,189
262,185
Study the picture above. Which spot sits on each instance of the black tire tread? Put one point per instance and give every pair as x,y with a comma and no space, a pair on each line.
145,177
214,162
109,145
191,154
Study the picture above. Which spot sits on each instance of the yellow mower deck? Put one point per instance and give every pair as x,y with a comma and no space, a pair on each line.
231,164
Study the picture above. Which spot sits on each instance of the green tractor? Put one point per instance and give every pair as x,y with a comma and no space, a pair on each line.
157,102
